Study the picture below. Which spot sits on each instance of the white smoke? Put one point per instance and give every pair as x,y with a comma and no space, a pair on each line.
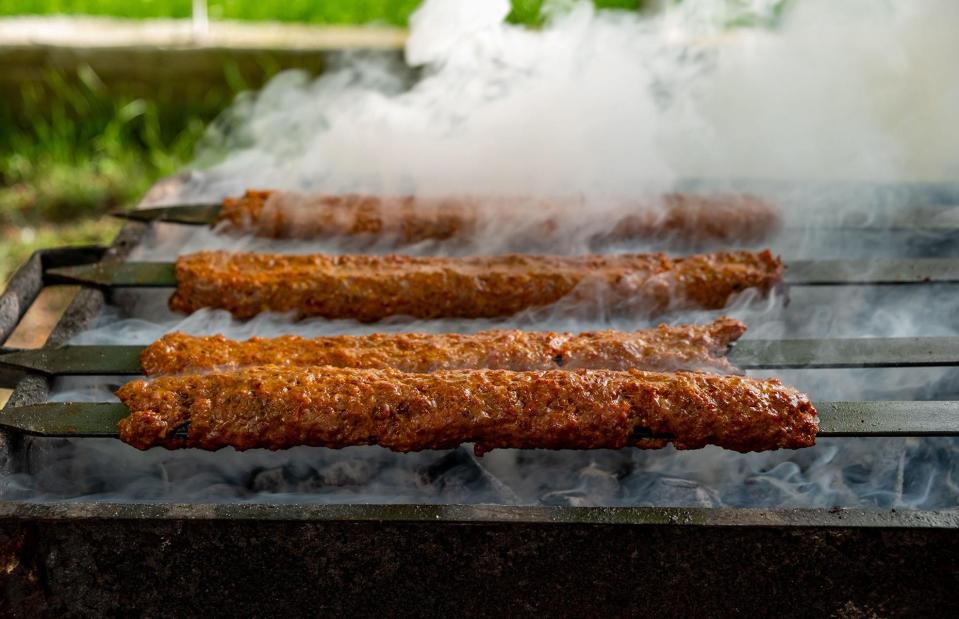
603,103
853,90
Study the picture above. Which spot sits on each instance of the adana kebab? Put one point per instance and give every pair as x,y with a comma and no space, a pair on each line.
276,408
687,218
665,348
684,347
369,288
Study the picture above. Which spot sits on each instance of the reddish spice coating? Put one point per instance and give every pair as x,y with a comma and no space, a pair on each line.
278,214
703,219
687,218
369,288
683,347
277,408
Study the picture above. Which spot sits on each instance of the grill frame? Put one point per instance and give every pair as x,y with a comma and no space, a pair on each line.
60,554
94,559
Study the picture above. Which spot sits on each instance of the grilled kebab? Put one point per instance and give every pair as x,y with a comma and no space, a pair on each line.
665,348
686,218
276,408
369,288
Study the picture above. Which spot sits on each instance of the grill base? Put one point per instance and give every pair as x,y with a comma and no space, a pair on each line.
287,561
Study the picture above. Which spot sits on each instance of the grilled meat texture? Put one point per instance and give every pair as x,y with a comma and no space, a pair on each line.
665,348
686,218
369,288
277,408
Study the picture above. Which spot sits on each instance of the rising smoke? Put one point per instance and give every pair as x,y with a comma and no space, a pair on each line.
613,103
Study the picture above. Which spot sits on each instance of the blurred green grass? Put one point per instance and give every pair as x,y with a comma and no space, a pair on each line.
73,150
392,12
326,12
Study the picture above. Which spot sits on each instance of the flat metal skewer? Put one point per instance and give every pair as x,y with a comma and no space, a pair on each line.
65,419
871,272
798,273
117,275
76,360
836,419
197,214
836,353
930,218
888,418
746,354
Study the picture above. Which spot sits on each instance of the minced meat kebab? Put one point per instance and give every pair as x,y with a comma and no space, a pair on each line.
369,288
665,348
686,218
276,408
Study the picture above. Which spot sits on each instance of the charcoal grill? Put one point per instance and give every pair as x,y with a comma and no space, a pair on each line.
149,558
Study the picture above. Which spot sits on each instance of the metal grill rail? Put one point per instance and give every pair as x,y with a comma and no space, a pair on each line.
837,419
747,354
799,273
927,218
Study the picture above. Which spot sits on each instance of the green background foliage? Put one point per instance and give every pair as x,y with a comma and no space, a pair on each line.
393,12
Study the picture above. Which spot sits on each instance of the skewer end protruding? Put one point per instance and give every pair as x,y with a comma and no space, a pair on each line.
117,274
74,360
65,419
203,213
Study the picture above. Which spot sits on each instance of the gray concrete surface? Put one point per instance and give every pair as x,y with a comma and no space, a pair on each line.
166,60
